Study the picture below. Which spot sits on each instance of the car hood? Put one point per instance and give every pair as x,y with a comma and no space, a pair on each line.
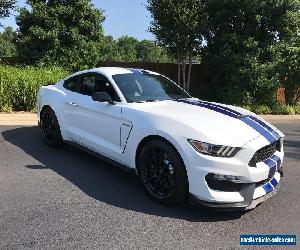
210,122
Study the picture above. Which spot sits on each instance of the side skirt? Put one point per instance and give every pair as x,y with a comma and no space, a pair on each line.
102,157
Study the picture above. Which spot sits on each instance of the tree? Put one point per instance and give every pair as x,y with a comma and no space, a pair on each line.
127,49
5,7
244,49
290,69
109,50
63,32
177,25
290,49
7,42
148,51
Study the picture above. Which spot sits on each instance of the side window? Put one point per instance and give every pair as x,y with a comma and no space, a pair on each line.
97,83
88,85
71,84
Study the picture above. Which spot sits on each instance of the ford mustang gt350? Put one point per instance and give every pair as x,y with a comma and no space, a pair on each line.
180,147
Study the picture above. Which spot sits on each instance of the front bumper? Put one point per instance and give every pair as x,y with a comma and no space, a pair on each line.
253,194
256,184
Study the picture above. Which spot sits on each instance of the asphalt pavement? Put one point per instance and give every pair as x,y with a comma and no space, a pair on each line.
64,198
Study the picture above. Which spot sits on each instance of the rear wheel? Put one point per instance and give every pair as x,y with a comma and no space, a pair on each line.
50,128
162,172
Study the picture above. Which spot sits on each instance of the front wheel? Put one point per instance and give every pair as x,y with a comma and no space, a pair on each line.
162,172
50,128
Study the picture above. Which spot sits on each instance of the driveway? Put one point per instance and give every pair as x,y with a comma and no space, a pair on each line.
65,198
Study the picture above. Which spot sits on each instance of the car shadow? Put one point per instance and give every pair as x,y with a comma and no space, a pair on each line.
293,148
291,143
103,181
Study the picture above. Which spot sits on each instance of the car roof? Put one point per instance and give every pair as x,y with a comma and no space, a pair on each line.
110,71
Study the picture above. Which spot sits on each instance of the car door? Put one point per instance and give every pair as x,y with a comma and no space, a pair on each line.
69,112
98,124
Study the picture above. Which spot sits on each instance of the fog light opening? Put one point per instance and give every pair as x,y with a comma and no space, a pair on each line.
221,177
225,183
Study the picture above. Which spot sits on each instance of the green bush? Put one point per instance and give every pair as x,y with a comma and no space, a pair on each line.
248,107
262,109
283,110
275,110
297,109
19,86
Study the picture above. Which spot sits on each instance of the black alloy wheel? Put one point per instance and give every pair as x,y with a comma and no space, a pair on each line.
162,172
50,128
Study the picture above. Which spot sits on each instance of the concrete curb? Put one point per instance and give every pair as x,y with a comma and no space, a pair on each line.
14,119
30,119
281,118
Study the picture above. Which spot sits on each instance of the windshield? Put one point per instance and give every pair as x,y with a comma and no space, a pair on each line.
148,87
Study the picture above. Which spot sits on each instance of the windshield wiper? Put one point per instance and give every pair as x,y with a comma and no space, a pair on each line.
152,100
181,98
149,100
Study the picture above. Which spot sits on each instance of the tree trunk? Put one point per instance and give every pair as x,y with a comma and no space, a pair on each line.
183,73
0,94
189,71
178,68
297,96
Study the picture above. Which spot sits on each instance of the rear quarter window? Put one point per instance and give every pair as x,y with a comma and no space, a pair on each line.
71,84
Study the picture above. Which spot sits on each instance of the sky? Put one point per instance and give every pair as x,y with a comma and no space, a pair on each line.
128,17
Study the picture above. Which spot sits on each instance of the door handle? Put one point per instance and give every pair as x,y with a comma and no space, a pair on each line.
73,104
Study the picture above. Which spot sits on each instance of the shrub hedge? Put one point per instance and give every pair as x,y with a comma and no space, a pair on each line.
19,85
275,110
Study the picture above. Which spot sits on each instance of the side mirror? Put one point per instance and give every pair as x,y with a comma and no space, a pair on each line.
102,97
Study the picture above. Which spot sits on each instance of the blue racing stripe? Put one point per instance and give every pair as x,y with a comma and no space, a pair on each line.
207,106
222,107
264,125
274,133
270,163
234,114
135,71
261,123
219,110
274,164
277,159
145,72
259,129
267,187
274,182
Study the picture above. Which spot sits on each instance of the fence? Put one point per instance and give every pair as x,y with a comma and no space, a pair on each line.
167,69
170,70
281,96
8,60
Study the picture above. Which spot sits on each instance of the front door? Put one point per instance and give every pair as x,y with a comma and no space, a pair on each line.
98,124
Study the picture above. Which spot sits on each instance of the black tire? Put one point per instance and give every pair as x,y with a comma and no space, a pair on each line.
163,178
50,128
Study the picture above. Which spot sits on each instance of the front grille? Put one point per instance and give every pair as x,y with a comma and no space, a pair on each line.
264,153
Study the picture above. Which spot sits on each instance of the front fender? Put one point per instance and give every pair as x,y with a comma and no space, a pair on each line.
140,133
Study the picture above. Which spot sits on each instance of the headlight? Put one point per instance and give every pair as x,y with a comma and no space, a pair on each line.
214,150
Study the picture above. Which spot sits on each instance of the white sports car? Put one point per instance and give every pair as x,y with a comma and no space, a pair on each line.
215,154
